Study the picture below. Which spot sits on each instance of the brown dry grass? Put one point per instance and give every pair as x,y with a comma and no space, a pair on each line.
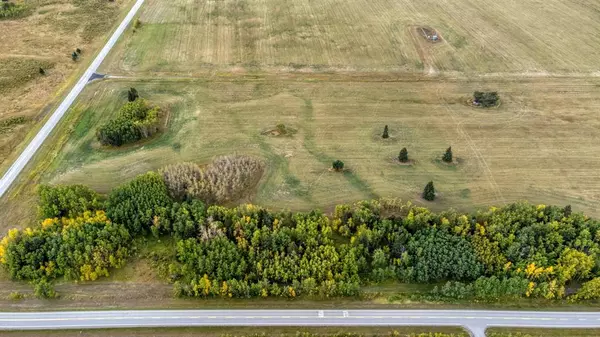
46,38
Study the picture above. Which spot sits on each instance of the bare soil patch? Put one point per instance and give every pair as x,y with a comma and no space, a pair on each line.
429,34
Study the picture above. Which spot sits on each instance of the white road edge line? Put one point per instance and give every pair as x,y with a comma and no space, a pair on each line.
25,157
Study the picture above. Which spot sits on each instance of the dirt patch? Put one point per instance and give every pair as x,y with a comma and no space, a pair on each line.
429,34
279,131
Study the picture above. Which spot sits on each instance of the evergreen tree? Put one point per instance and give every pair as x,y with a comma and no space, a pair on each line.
567,211
42,71
78,51
74,56
448,155
403,156
132,95
429,192
338,165
385,133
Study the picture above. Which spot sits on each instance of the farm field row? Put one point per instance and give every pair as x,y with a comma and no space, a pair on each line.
477,36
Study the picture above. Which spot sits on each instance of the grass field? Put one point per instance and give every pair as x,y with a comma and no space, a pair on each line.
45,38
539,145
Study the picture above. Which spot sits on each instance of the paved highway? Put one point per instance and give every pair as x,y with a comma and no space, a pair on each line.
30,150
476,321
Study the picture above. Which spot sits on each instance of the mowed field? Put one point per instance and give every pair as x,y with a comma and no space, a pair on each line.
478,36
541,144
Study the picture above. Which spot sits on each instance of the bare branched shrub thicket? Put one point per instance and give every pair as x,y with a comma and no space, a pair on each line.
226,179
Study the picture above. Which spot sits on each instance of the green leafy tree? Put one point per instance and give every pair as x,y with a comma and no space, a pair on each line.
589,290
66,201
447,157
338,165
385,133
436,255
403,156
429,192
139,203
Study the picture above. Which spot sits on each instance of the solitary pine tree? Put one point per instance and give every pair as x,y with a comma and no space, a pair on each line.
385,133
403,156
429,192
447,157
567,210
338,165
132,95
74,56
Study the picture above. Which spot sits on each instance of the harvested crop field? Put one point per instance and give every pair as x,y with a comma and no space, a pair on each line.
478,36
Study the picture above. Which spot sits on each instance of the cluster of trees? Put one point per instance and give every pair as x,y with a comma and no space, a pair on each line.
82,248
134,121
226,179
519,250
485,99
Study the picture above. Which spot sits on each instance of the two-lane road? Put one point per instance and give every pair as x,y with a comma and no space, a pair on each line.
476,321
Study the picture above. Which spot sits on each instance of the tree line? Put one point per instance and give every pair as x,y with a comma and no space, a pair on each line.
519,250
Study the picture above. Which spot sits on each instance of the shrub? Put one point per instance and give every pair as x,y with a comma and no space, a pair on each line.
429,192
447,157
385,134
135,120
338,165
74,56
403,156
43,289
485,99
10,10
